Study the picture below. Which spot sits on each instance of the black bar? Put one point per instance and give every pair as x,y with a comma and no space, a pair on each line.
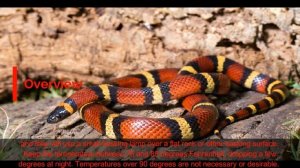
148,3
145,163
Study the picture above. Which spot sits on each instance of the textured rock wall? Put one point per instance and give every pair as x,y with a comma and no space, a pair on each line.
91,44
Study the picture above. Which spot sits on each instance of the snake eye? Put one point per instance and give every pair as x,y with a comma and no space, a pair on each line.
58,114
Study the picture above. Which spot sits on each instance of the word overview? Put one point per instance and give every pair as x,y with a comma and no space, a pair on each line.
32,84
29,84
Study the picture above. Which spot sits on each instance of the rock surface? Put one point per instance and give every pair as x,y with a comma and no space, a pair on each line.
85,43
271,125
268,125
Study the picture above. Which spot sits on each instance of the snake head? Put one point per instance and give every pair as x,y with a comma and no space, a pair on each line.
58,114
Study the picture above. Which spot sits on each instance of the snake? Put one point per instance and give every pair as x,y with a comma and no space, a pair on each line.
212,74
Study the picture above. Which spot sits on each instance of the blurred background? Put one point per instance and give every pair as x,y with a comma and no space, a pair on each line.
94,44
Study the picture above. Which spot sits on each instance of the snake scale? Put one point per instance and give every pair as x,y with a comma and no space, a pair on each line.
203,75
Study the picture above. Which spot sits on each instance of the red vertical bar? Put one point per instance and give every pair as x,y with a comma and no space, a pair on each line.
15,84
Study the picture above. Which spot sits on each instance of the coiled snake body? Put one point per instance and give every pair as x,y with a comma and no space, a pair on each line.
209,74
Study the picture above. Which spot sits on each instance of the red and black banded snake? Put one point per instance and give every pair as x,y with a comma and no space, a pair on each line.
203,75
